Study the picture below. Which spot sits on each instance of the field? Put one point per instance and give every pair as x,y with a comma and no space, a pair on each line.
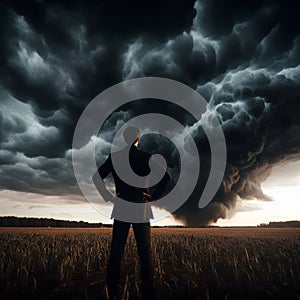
212,263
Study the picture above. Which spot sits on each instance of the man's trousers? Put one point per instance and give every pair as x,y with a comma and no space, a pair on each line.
142,233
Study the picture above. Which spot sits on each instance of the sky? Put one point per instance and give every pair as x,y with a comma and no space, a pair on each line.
242,57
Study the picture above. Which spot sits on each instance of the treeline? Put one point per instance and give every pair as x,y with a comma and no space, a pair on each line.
44,222
293,224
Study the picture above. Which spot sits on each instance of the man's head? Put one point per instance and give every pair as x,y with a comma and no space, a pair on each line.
132,135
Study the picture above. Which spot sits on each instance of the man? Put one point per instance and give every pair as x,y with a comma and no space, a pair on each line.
139,162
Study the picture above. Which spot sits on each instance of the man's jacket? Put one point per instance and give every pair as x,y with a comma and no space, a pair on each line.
139,163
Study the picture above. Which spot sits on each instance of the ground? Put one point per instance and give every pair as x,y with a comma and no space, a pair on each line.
200,263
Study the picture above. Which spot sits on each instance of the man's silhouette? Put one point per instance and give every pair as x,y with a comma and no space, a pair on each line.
139,162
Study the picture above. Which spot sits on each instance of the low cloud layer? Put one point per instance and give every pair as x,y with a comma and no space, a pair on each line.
243,57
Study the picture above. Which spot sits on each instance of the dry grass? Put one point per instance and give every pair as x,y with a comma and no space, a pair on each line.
213,263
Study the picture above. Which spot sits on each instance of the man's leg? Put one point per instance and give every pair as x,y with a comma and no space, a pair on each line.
119,236
142,233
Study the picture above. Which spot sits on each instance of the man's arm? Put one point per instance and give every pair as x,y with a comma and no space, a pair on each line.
103,171
106,168
157,190
160,187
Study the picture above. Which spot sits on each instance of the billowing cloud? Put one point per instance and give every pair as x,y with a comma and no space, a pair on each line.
248,70
242,57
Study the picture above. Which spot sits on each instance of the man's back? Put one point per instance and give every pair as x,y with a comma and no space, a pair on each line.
139,163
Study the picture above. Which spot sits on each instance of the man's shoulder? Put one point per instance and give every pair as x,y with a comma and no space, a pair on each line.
137,152
143,153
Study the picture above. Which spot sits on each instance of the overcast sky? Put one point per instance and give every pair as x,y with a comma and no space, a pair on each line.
242,56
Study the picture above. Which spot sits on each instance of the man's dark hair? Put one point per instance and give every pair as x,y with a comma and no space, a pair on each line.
131,134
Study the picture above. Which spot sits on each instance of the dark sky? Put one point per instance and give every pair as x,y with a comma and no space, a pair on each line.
242,56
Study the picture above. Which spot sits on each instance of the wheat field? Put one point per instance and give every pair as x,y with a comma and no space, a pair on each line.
204,263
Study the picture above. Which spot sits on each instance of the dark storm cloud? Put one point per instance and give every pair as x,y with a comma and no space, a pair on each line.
243,57
55,57
245,61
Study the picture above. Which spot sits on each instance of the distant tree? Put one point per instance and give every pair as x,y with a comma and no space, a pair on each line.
11,221
286,224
